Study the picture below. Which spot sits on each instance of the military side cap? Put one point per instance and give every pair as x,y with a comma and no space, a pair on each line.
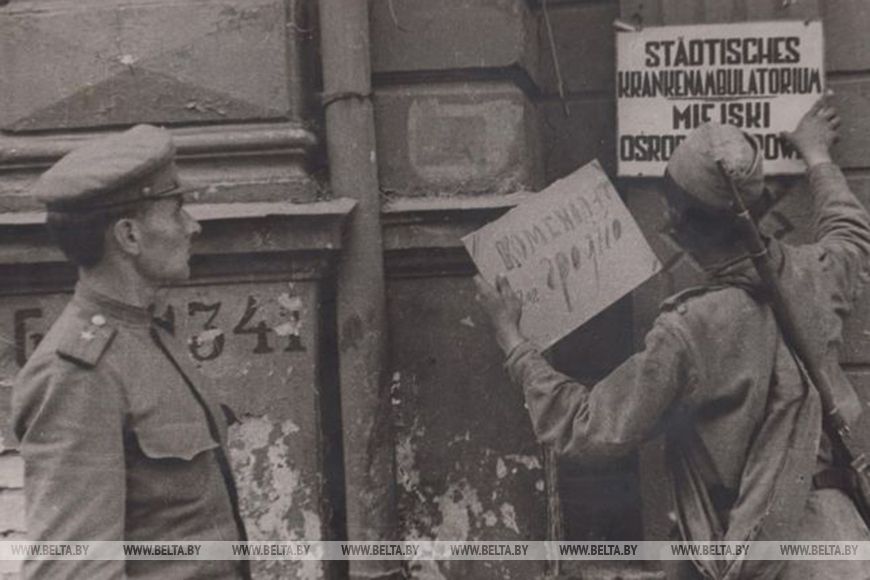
135,165
693,166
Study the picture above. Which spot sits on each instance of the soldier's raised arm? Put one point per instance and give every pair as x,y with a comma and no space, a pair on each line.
597,422
841,222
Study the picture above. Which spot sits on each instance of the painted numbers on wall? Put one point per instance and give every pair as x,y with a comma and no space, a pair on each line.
205,323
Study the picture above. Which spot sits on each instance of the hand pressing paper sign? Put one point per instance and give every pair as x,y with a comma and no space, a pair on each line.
570,251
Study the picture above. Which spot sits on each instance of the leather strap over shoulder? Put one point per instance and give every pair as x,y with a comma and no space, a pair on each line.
677,301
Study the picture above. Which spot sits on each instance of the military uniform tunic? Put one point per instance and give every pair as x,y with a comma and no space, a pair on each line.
118,445
717,377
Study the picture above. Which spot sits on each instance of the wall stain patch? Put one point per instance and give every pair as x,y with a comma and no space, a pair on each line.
277,503
509,517
406,471
500,468
528,461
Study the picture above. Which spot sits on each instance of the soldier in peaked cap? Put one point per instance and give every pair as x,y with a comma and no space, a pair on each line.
118,441
746,452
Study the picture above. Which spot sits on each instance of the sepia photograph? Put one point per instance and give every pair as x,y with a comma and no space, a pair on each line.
434,289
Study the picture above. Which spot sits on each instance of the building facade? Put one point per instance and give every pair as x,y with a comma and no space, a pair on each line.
344,149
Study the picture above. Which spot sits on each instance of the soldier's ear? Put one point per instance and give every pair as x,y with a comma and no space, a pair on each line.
127,235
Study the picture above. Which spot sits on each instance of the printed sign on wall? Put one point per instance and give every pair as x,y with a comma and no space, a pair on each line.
759,76
569,252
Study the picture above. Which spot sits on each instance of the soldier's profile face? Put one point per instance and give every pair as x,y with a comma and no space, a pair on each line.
166,231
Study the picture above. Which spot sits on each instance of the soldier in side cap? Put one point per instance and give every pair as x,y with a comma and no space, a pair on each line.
746,452
119,442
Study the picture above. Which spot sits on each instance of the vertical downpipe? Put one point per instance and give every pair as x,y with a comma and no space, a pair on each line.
361,303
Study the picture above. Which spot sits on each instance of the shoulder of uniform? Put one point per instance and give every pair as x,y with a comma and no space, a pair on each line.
84,341
679,301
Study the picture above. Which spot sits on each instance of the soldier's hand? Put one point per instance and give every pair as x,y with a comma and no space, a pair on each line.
815,133
504,310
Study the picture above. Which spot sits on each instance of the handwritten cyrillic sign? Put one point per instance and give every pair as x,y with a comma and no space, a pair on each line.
759,76
569,252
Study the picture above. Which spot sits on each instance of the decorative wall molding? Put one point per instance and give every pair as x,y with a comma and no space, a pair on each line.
244,162
41,151
236,239
423,235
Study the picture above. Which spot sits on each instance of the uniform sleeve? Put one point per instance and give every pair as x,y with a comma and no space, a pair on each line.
613,417
71,438
842,229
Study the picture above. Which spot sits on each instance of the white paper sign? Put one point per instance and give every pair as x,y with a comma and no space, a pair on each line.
570,251
759,76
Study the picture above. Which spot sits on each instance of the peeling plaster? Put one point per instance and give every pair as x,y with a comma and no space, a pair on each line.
467,321
406,471
457,505
500,468
275,501
509,517
461,438
407,474
427,570
310,569
395,389
291,303
528,461
288,329
467,501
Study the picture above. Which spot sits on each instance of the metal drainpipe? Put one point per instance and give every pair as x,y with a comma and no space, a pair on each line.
366,415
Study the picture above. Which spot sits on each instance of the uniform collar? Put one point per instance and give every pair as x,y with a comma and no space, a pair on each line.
742,272
111,308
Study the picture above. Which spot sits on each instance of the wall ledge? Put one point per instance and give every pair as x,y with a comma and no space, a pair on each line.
38,151
228,229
